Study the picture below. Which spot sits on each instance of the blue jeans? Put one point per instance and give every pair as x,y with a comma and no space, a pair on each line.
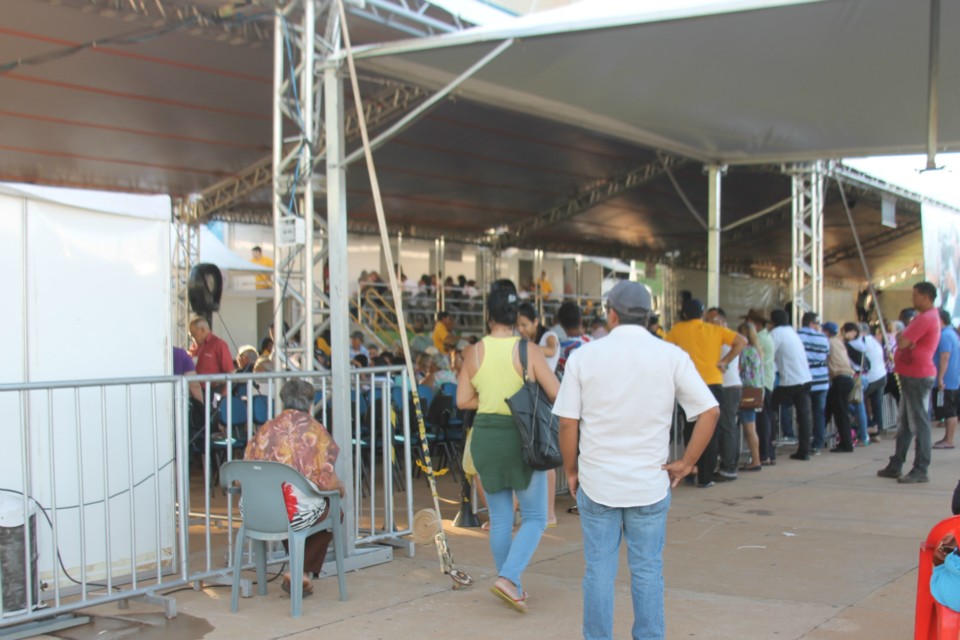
859,410
645,531
913,423
512,553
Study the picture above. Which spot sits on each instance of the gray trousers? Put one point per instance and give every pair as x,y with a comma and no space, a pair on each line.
913,423
729,429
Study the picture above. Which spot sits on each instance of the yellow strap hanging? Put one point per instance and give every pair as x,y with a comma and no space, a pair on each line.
436,472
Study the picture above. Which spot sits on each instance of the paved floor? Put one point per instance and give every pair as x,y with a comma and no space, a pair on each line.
820,549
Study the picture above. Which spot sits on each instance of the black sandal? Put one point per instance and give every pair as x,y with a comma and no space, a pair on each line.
573,510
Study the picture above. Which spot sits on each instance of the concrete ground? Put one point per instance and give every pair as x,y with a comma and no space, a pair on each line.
820,550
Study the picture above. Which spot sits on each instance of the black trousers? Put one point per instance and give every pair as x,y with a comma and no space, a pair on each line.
839,408
799,396
707,463
766,427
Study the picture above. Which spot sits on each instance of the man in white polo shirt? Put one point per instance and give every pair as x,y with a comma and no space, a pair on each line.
795,378
616,404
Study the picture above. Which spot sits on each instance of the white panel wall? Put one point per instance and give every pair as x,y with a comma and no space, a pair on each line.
96,305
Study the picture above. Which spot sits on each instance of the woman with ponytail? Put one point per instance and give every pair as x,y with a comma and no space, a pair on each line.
491,372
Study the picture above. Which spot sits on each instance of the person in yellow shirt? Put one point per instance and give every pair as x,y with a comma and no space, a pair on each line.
443,337
704,342
544,285
264,281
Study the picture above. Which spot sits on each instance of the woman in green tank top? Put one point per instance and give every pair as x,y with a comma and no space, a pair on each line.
490,374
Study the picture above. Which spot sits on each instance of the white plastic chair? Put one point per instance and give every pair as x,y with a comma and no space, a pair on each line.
265,519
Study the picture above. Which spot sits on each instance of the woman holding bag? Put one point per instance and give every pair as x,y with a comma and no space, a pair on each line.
491,373
751,373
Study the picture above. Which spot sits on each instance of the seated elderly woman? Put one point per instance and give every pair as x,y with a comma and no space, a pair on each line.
296,439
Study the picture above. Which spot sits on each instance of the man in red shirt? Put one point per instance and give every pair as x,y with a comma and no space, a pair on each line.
913,363
212,353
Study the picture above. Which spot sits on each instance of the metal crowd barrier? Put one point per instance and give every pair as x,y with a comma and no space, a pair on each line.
97,487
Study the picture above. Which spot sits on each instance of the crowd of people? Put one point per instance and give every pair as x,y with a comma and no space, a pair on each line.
821,373
616,397
617,390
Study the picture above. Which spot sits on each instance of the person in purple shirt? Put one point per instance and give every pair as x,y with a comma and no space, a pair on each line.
182,362
914,365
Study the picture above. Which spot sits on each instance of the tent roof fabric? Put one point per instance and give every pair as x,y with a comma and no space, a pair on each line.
747,82
572,106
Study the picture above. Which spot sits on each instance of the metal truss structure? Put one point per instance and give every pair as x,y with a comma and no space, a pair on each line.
517,233
407,16
222,23
806,282
186,254
297,126
378,110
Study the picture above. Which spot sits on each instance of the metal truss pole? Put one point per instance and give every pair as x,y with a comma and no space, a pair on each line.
806,282
296,135
714,173
186,254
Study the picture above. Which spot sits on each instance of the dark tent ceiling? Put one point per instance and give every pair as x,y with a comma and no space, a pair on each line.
178,103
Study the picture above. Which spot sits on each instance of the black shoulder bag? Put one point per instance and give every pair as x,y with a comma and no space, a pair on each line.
538,427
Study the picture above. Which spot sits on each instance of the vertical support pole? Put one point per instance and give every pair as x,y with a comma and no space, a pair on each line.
933,79
307,93
714,173
437,269
339,296
278,190
442,277
537,268
578,283
806,280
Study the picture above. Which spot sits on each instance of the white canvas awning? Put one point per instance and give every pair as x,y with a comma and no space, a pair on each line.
738,81
212,250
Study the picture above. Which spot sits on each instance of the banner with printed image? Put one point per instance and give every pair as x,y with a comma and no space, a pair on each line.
941,255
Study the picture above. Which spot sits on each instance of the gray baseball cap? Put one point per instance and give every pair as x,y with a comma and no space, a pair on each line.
629,298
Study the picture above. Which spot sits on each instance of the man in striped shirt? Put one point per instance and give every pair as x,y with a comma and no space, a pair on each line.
817,346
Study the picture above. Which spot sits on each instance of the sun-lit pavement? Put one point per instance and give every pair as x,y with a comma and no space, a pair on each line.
819,549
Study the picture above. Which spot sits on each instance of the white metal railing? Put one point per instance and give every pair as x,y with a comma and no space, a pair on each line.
98,484
94,469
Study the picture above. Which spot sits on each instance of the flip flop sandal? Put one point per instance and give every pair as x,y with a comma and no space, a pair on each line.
573,510
307,589
517,604
942,445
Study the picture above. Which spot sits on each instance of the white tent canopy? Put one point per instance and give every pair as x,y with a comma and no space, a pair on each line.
741,81
212,250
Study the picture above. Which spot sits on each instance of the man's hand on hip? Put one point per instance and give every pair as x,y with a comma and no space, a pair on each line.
677,470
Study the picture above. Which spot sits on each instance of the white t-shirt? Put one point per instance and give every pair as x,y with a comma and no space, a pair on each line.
790,356
623,389
878,365
555,358
731,377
